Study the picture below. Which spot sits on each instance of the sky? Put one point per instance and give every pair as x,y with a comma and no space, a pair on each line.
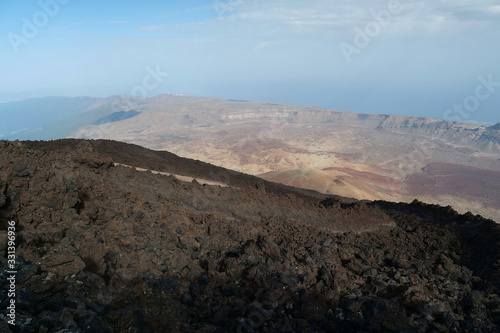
427,58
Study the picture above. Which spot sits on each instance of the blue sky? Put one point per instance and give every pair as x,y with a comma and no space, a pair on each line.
421,58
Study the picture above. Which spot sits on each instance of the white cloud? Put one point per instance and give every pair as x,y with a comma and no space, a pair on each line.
494,9
340,17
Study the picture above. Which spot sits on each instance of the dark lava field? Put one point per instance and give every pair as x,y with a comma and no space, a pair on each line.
103,247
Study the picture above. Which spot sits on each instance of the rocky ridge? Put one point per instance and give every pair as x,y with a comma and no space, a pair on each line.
105,248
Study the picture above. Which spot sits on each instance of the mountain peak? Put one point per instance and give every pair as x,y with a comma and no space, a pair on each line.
496,127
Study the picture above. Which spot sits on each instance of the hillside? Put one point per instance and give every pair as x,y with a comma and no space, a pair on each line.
375,156
361,156
105,247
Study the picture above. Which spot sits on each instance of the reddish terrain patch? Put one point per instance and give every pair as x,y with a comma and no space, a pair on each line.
370,177
457,180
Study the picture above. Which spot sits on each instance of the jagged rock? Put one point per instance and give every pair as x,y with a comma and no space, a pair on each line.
63,263
109,248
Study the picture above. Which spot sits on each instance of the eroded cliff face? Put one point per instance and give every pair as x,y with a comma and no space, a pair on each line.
106,247
165,117
484,139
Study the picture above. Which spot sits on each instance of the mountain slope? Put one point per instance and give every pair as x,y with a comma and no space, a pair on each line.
56,117
301,146
298,145
25,118
109,248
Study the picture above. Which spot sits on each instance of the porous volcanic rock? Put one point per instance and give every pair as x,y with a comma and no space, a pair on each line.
105,248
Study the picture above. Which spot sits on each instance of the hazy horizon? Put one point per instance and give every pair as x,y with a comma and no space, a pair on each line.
434,59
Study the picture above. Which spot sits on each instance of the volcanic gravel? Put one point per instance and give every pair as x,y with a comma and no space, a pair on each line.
104,248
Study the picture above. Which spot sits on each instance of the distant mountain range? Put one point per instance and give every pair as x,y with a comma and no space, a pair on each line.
363,156
39,117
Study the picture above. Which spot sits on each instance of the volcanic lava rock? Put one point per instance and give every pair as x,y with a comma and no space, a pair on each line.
106,248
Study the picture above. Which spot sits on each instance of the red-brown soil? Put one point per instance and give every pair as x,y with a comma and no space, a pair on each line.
369,177
453,179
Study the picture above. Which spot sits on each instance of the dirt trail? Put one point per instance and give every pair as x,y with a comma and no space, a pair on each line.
183,178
